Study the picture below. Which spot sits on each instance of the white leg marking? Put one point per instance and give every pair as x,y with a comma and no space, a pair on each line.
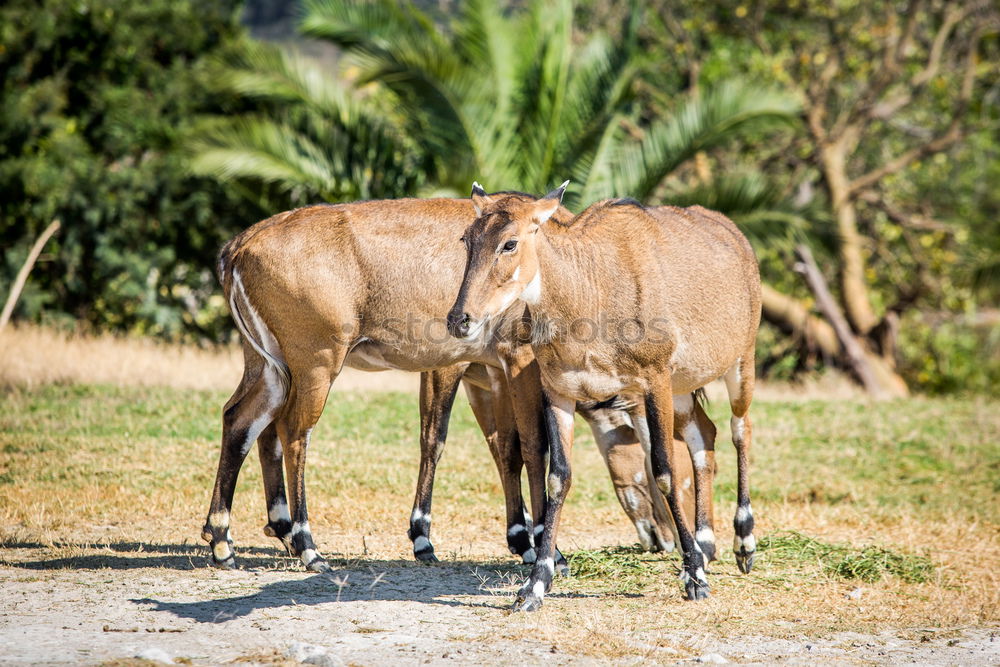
642,430
744,513
279,512
555,485
219,520
516,529
732,378
643,530
705,535
528,556
538,590
221,550
299,528
421,543
308,556
664,483
418,515
631,500
539,529
639,477
748,543
738,425
695,443
699,459
548,564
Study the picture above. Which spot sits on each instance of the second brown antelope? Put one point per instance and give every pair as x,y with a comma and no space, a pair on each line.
647,304
364,285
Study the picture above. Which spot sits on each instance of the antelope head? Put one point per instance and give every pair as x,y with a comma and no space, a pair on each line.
502,259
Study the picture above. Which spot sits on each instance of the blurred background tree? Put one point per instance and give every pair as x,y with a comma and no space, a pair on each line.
893,94
517,99
94,99
865,134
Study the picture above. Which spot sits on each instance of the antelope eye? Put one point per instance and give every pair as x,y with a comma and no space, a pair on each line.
509,246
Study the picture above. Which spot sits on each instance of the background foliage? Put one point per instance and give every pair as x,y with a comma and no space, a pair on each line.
156,130
96,97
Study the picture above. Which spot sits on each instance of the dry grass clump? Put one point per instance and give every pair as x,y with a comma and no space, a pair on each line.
32,356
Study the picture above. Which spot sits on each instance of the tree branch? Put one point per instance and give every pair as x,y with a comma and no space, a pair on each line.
22,275
793,318
855,353
952,135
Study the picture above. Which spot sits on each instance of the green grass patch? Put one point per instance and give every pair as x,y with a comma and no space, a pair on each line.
626,568
870,563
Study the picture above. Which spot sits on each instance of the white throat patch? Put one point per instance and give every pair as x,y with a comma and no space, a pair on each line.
533,290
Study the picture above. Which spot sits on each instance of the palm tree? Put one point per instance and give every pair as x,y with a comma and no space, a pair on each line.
312,137
513,98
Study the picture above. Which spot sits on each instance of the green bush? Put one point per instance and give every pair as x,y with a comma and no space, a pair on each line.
95,100
953,356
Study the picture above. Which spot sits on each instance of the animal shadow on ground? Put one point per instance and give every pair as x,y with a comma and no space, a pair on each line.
136,555
381,581
352,580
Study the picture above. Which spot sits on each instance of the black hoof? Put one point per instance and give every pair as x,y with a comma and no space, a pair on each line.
708,548
319,565
228,563
426,556
744,560
527,603
695,590
561,566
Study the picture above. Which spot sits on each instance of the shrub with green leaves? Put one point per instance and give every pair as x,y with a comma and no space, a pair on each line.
95,98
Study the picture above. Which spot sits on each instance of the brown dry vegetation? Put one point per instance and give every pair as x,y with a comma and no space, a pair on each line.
119,477
31,356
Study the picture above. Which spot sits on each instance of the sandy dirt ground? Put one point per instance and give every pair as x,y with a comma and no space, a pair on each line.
161,604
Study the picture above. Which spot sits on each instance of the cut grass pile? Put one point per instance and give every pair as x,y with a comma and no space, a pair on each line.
869,563
624,569
899,497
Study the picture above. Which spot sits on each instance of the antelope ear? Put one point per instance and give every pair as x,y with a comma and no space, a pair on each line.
549,204
479,198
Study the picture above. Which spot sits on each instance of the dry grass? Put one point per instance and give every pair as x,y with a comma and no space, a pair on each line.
32,356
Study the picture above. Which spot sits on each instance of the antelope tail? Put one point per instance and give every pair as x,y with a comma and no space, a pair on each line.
249,322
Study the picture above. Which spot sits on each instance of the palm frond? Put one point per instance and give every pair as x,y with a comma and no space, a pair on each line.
752,201
718,115
263,150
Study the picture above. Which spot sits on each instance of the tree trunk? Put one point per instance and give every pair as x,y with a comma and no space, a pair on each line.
877,376
854,291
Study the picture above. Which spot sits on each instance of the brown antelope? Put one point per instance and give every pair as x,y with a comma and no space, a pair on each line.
360,284
676,296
